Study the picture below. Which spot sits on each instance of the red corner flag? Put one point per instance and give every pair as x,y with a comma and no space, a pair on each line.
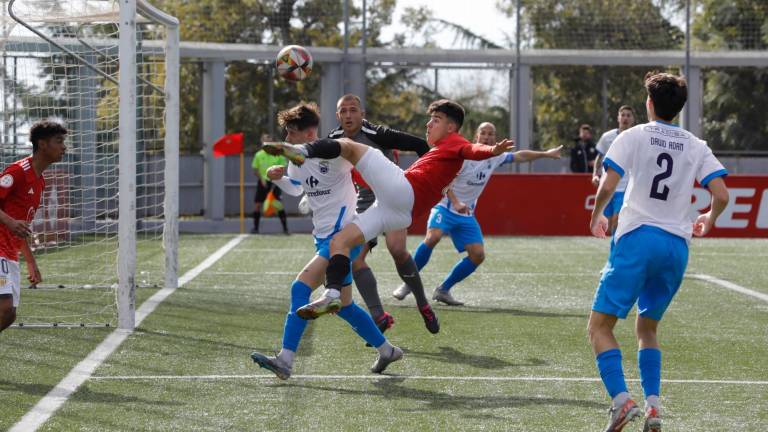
230,144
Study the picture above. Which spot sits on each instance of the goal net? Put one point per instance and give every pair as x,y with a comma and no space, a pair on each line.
62,61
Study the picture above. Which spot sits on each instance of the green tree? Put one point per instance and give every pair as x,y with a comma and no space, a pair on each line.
274,22
733,119
566,96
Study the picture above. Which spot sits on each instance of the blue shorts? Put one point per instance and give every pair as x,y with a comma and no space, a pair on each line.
645,266
614,206
323,248
463,230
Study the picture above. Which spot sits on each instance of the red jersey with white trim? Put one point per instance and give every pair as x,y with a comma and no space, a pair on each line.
20,192
432,173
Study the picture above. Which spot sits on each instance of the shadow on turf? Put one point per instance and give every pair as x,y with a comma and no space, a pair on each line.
388,388
453,356
515,312
83,394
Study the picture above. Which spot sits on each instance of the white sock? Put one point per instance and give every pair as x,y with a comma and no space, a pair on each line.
332,293
620,399
653,401
286,357
386,348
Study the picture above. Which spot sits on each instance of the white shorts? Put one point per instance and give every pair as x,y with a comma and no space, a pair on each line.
394,195
9,279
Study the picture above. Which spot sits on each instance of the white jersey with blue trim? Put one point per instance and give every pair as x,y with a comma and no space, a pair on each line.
330,192
472,179
603,145
662,162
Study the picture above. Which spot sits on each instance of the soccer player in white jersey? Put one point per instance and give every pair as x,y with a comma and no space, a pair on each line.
454,215
332,198
650,254
626,120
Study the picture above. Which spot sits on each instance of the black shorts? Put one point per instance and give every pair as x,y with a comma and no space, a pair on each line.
262,191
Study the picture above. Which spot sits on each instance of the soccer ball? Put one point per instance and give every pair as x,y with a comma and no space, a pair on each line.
294,63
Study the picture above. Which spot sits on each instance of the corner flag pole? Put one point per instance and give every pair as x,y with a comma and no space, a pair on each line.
242,193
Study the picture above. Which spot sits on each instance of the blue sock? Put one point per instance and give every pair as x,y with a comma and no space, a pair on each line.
294,325
422,255
611,371
460,271
362,324
649,362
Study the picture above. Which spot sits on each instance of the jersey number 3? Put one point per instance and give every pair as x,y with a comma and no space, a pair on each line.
655,193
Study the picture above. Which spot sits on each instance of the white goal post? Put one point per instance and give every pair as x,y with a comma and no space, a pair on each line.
108,223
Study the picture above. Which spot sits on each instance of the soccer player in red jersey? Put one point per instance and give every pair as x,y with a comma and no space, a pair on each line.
400,195
21,186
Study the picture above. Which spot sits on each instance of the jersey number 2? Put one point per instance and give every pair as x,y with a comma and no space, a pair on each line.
655,193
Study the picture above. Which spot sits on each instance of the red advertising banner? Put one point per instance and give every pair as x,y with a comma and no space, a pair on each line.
561,204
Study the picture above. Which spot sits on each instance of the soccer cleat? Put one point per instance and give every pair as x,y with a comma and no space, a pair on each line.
652,420
430,319
292,152
402,292
445,297
381,362
384,322
272,364
621,416
321,306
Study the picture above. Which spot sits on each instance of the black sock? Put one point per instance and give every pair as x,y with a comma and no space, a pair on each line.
324,148
409,273
256,218
283,220
368,289
338,268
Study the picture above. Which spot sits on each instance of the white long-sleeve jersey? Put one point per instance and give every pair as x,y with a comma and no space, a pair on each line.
329,189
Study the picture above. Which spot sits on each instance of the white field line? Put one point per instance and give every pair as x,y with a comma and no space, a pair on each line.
407,377
729,285
51,402
293,273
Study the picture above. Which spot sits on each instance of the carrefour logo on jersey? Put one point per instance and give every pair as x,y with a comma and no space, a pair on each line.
312,182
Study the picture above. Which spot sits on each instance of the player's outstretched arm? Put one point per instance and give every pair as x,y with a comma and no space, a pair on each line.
532,155
720,197
504,146
33,272
598,225
277,175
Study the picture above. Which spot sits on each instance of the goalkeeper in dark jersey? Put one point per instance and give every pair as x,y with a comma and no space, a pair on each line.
352,124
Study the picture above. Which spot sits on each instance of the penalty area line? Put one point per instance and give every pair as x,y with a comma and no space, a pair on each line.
404,377
52,401
729,285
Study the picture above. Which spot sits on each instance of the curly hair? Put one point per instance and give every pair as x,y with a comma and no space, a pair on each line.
300,117
43,130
